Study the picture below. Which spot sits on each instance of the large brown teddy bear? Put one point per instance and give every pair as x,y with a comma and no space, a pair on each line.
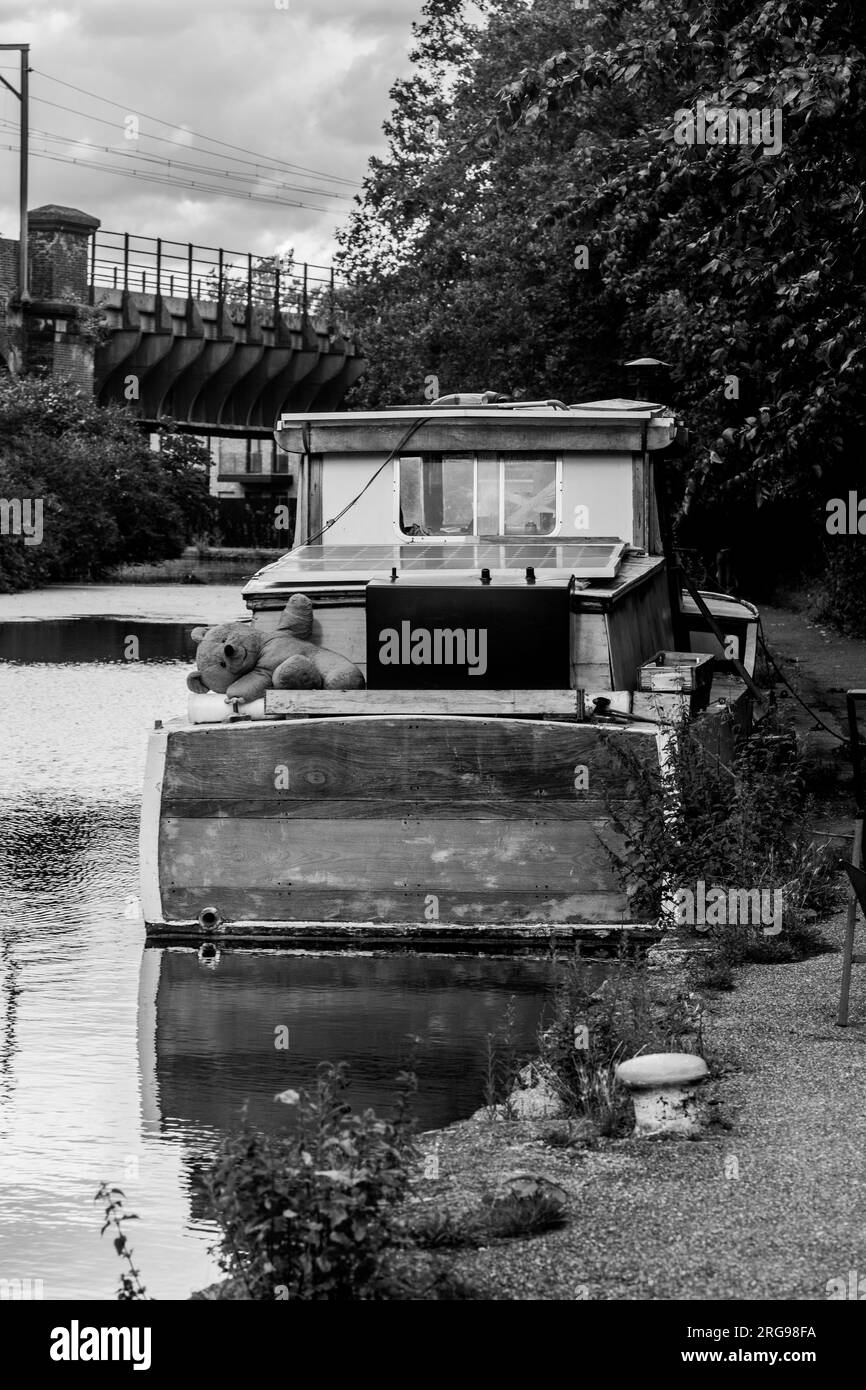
240,662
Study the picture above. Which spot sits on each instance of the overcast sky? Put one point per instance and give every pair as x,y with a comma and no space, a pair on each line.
307,85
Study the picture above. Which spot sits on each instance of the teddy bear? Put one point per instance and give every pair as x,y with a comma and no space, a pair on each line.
240,662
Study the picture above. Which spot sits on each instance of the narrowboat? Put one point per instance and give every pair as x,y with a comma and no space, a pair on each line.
501,574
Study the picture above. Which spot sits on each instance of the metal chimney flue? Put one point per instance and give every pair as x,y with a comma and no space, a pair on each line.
648,379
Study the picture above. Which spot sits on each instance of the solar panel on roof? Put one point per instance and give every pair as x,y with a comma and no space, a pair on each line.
589,559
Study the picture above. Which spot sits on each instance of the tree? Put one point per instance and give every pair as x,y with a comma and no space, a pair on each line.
104,496
460,263
736,265
742,269
267,276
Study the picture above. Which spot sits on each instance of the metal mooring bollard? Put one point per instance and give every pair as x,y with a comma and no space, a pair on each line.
663,1088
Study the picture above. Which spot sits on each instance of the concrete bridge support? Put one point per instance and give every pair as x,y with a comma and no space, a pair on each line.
196,364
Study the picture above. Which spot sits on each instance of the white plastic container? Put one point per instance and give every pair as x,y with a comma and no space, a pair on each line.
212,709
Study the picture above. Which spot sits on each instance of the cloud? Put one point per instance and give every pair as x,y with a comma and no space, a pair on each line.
307,86
350,114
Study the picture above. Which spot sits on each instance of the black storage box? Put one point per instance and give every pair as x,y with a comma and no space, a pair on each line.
457,634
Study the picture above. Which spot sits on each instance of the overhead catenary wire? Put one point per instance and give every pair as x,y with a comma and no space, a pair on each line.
198,135
147,177
162,161
263,162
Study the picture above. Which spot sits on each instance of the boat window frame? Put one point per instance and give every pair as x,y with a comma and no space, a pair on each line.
528,455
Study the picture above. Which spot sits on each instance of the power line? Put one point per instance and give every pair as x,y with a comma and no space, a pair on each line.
178,164
258,161
165,140
334,178
142,177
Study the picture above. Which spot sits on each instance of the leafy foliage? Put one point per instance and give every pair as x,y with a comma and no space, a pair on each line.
107,497
555,129
131,1289
311,1216
457,269
502,1064
590,1032
843,584
254,289
743,826
502,1216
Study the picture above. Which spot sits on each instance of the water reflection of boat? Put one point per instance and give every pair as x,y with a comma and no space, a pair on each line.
213,1039
464,794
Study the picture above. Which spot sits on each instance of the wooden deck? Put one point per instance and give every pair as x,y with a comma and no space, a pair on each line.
535,704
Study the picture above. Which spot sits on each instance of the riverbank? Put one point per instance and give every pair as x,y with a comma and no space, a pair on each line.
201,565
770,1201
772,1207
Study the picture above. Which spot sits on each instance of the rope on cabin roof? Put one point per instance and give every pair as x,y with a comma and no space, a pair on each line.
425,420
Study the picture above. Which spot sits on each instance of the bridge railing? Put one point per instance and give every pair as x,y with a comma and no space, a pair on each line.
235,279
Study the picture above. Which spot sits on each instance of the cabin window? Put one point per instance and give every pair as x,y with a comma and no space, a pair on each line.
460,495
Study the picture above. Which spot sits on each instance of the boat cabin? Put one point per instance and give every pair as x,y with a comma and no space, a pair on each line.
546,507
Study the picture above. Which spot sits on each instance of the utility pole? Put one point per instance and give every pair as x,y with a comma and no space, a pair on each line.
24,97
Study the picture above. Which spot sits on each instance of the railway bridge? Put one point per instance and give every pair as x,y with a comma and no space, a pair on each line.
217,343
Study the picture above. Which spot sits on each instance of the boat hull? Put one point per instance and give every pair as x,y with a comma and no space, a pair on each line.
379,829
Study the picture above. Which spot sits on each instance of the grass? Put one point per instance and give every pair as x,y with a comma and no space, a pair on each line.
442,1230
502,1065
566,1136
714,973
632,1012
500,1217
511,1215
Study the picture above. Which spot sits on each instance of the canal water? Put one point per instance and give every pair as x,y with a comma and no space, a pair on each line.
128,1065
